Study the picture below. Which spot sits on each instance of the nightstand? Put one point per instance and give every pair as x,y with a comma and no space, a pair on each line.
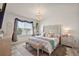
67,41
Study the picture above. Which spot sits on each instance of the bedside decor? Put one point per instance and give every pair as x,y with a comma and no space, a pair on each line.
67,32
1,34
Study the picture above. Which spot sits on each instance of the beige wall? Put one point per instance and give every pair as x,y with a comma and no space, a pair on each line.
65,14
8,23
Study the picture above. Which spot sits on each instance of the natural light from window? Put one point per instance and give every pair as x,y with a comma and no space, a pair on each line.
24,28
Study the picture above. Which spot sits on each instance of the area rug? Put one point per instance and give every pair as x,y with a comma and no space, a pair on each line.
59,51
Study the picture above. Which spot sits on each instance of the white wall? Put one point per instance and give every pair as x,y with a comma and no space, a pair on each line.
65,14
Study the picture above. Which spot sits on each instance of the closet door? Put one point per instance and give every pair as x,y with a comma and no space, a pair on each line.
5,47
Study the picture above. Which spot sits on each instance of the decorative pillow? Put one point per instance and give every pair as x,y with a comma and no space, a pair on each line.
52,34
45,34
49,35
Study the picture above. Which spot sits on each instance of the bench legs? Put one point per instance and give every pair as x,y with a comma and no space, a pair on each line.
37,52
42,50
49,54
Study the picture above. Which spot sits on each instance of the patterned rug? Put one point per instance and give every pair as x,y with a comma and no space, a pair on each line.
59,51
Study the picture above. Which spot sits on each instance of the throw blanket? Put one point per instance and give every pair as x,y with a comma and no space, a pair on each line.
52,43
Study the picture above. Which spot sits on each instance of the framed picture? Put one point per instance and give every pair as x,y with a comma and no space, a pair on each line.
2,6
2,10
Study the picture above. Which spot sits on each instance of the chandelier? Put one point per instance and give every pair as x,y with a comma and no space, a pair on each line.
38,15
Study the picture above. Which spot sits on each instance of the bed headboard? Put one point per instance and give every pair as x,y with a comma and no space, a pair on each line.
53,29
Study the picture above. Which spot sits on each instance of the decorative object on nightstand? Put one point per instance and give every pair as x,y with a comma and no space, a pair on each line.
1,34
67,32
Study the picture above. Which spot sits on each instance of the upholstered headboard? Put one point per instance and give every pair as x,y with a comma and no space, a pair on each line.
52,29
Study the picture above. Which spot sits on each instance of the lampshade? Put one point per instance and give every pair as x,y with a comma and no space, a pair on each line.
67,31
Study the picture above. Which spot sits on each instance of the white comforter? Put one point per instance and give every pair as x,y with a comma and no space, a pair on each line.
45,41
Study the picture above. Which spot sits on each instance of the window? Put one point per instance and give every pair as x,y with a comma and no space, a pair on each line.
24,28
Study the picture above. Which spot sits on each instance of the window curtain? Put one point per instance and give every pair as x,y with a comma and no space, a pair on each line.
14,36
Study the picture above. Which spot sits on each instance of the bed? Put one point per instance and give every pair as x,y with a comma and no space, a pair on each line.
48,41
49,44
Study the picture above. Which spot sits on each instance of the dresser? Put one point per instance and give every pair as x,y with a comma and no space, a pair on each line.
67,41
5,47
